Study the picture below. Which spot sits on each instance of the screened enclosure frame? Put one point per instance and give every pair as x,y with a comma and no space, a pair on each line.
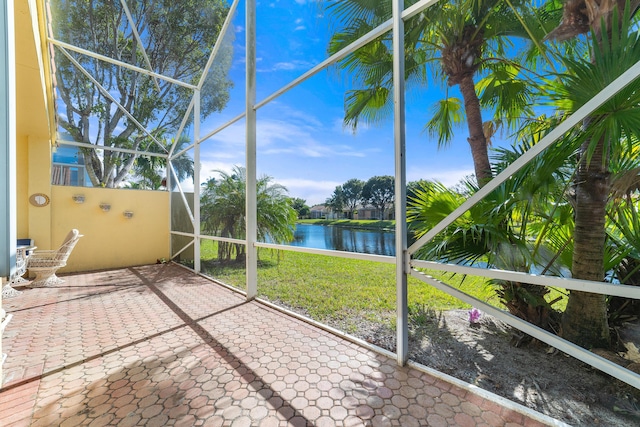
405,263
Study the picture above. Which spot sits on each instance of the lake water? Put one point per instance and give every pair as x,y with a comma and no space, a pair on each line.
344,239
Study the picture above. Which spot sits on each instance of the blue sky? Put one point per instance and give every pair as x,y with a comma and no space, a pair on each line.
301,141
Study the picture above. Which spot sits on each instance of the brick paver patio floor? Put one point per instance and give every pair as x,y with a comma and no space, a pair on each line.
158,345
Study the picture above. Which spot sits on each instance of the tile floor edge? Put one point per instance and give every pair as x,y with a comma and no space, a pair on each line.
486,394
507,403
331,330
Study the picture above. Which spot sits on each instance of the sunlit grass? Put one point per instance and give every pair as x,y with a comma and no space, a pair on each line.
327,287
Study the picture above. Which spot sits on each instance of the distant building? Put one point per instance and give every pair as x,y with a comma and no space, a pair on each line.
369,212
361,212
68,167
318,212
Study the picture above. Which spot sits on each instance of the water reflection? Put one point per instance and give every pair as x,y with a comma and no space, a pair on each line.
344,239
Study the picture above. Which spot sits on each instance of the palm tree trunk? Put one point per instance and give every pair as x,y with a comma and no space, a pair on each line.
477,140
585,318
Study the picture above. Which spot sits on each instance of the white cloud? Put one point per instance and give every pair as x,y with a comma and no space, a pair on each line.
313,191
231,137
338,125
187,186
301,138
449,178
209,168
296,64
292,132
295,45
314,149
300,28
300,117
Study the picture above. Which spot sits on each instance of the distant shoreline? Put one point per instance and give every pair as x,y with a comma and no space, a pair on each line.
362,224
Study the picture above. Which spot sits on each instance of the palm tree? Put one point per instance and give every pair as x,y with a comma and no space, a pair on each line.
152,169
457,39
523,226
581,16
223,211
623,233
608,132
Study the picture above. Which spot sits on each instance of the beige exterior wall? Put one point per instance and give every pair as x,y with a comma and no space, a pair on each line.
22,183
110,240
38,181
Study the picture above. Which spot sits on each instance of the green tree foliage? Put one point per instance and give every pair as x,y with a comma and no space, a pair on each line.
223,211
150,171
178,37
538,221
351,194
379,192
524,225
300,205
606,136
336,201
455,41
414,186
623,236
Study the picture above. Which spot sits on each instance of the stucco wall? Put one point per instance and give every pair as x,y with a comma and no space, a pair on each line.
111,240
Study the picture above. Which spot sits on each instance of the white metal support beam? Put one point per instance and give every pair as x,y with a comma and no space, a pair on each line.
107,148
251,166
576,118
7,141
185,247
578,352
416,8
196,181
183,124
216,47
134,29
183,196
210,134
107,95
402,260
108,60
625,291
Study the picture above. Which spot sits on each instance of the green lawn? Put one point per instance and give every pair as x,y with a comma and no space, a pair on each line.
327,287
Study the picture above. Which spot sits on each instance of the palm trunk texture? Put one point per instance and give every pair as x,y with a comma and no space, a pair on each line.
477,140
585,318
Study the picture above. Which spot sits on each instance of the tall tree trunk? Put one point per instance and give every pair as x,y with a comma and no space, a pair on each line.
477,140
585,318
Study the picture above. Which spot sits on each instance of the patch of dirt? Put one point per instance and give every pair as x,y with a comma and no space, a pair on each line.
532,374
498,358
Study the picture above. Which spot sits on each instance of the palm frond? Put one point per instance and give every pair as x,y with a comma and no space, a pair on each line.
370,105
448,113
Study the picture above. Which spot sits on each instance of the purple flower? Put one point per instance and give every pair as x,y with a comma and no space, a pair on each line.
474,316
